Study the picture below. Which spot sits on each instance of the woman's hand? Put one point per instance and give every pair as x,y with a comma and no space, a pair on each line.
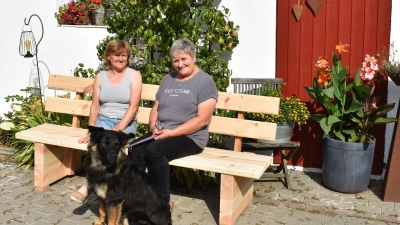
162,134
84,140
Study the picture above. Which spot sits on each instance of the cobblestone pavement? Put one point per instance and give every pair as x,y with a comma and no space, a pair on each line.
309,202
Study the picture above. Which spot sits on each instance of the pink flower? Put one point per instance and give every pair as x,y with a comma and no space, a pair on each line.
369,68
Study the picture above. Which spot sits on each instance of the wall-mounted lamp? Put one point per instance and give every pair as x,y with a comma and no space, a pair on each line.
28,48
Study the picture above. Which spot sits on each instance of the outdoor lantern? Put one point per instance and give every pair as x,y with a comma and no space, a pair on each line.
28,48
27,44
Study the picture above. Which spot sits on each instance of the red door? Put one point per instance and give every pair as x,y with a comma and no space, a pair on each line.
364,24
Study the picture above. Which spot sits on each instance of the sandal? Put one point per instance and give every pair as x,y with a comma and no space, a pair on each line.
171,206
78,197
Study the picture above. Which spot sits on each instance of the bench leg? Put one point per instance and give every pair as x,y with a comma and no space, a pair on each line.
285,170
236,194
53,163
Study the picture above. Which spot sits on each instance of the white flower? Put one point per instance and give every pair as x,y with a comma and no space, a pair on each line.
16,107
6,125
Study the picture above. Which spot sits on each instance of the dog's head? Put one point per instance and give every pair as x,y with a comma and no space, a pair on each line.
108,145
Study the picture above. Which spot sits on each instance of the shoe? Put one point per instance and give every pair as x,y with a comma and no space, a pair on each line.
171,206
78,197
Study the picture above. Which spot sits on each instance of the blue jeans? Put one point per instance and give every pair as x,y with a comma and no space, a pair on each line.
108,123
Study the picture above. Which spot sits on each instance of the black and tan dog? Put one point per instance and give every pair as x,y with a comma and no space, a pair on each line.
124,192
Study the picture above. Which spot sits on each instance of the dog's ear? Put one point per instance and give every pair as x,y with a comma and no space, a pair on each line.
127,137
95,130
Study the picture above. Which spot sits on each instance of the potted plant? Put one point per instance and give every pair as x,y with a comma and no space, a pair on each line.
291,111
73,13
98,11
351,110
391,67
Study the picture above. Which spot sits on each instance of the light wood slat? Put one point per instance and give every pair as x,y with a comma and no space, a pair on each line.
242,155
149,92
220,125
221,161
64,132
143,115
51,139
219,166
70,83
243,128
228,101
69,106
248,103
77,130
229,126
234,159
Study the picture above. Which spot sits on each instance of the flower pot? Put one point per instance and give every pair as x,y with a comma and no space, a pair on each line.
283,133
84,20
395,77
346,167
98,16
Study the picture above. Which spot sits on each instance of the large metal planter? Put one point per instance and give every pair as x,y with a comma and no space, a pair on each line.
347,166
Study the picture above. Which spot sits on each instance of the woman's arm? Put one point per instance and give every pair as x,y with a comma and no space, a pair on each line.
153,117
203,118
94,108
136,91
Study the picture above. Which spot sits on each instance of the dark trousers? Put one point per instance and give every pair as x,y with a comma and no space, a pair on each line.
155,155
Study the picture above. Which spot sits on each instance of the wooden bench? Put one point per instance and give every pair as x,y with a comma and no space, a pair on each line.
254,86
58,154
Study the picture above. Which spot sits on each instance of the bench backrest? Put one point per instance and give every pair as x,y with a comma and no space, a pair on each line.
237,127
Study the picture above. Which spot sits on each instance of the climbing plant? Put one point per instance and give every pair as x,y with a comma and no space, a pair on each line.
157,23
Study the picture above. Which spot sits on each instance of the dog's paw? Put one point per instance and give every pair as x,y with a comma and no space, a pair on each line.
98,222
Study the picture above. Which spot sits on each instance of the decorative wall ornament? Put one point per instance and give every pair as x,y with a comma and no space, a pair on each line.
297,10
314,5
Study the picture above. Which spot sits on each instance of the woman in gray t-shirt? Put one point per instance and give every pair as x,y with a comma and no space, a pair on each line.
180,117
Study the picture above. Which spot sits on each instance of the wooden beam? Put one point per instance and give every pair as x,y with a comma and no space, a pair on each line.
391,185
53,163
236,194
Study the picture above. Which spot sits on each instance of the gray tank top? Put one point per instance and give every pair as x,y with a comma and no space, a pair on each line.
114,101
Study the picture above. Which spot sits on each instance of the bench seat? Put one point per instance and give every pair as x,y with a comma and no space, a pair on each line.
211,159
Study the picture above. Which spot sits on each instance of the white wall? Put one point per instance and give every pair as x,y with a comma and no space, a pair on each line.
62,48
254,57
393,89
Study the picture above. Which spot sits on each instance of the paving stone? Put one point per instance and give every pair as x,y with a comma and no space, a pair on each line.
387,205
340,205
25,209
308,202
31,217
55,217
376,210
7,217
67,222
390,212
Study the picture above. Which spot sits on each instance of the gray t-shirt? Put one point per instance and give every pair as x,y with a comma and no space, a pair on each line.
114,101
178,102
